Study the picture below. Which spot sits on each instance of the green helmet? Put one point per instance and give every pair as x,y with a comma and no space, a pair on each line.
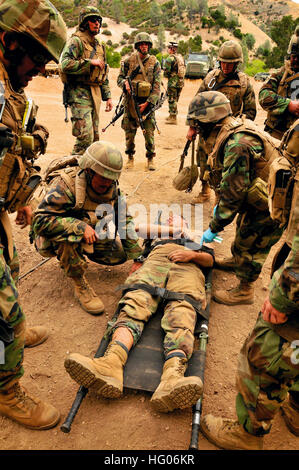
143,37
89,11
230,51
38,19
103,158
209,106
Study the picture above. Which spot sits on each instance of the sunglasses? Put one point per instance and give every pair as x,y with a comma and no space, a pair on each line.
94,19
40,58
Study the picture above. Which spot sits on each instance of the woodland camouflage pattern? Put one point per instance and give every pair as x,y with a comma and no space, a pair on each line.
256,232
57,228
179,317
208,106
38,19
84,109
275,101
129,123
175,83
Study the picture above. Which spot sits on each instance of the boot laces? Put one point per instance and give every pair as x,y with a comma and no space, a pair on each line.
22,396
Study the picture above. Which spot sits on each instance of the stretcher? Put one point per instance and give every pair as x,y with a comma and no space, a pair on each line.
144,367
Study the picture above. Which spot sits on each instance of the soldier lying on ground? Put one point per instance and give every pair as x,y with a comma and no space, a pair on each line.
66,220
176,267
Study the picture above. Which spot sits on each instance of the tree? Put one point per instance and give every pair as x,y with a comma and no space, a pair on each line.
155,13
117,10
161,37
203,8
245,53
250,41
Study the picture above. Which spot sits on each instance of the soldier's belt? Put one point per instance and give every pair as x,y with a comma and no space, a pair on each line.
164,294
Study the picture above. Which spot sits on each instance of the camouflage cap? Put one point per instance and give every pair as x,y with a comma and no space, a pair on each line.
103,158
38,19
230,51
89,11
208,106
173,44
143,37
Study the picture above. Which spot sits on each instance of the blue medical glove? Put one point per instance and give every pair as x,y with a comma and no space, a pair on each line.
214,210
208,236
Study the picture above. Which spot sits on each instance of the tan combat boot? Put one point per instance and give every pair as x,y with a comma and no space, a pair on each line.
88,299
25,409
227,264
175,390
204,194
290,413
242,294
150,164
171,119
35,336
229,434
103,374
130,162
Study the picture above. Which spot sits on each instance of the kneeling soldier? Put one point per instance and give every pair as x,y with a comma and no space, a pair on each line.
66,221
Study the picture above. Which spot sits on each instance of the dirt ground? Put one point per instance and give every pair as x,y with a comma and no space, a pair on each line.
46,295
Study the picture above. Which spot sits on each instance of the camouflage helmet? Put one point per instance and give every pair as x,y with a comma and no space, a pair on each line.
38,19
143,37
186,178
88,11
294,41
209,106
103,158
230,51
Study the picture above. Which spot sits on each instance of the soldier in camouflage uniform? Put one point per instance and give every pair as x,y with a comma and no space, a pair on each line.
146,84
69,221
279,94
174,70
31,34
85,72
269,360
237,87
176,268
239,165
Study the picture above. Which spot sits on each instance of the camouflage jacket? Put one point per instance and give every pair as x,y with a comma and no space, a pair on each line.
16,166
57,216
171,72
275,96
75,62
153,75
284,289
237,175
238,90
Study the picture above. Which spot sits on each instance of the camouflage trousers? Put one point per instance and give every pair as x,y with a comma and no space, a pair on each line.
85,120
130,126
173,98
11,357
268,368
179,317
71,256
256,233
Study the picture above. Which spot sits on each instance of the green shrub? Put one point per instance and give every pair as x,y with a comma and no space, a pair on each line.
255,66
107,32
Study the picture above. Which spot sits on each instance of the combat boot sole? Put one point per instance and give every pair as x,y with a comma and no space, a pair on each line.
84,373
180,397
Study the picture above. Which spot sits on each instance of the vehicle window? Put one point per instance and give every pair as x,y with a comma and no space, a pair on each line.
198,57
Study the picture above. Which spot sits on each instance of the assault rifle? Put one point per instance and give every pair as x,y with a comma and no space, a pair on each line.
119,111
65,99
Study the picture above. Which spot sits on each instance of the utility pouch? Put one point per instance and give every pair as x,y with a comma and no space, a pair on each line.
280,184
27,142
6,331
28,185
257,195
143,89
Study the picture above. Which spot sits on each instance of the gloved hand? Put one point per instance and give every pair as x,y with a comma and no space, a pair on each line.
208,236
214,210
